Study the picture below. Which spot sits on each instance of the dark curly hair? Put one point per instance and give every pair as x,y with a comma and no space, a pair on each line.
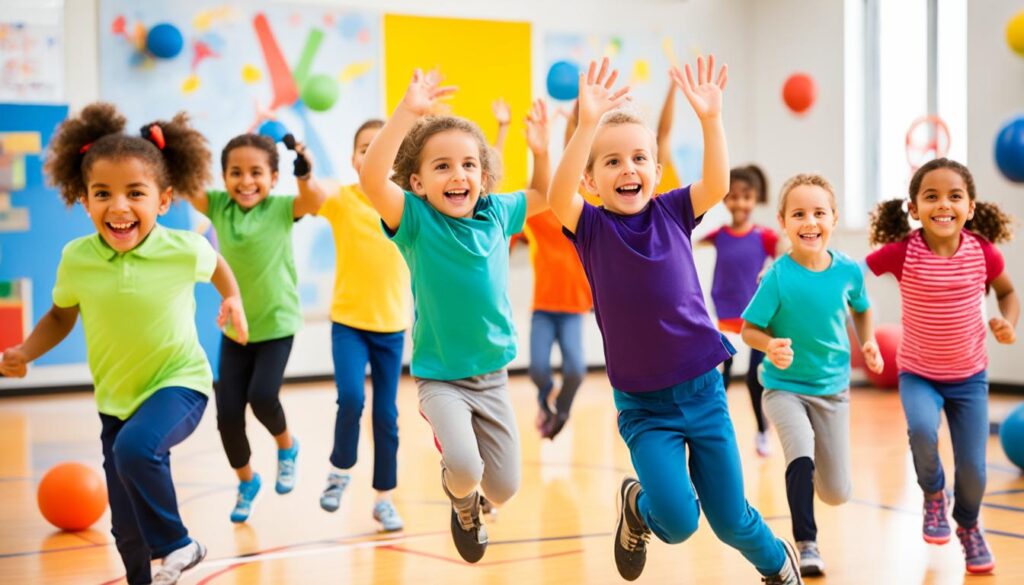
753,176
889,221
257,141
407,162
97,133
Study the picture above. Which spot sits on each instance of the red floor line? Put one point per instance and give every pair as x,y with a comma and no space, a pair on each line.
455,561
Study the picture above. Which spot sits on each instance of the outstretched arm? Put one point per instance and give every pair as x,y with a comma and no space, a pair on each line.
503,115
231,310
668,112
1004,328
55,325
595,98
311,194
538,139
705,96
374,178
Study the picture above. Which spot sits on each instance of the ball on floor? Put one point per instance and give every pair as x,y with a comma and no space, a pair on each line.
72,496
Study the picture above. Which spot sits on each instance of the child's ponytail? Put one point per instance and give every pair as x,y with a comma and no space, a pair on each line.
185,151
889,222
991,222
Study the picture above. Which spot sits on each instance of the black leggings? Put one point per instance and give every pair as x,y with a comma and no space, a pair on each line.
753,385
250,374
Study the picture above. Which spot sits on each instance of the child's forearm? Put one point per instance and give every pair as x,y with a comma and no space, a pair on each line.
1009,306
565,183
715,181
755,337
223,279
311,197
55,325
864,325
380,156
499,140
541,179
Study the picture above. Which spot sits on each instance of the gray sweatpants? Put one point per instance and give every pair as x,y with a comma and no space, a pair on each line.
475,430
817,427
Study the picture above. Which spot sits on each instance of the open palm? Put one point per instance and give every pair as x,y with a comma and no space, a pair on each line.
537,135
596,96
424,92
705,96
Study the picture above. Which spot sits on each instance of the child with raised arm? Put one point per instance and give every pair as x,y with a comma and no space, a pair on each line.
661,348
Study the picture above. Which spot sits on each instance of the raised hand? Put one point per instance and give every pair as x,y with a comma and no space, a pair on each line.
780,352
502,113
596,96
705,96
231,311
13,363
873,356
1003,330
537,131
425,93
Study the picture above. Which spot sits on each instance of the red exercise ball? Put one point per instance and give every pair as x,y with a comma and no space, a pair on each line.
888,338
72,496
799,92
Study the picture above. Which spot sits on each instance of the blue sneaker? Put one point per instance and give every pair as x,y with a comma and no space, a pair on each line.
385,513
330,499
286,468
247,491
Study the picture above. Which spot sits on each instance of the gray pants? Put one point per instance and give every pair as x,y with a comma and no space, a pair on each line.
817,427
475,430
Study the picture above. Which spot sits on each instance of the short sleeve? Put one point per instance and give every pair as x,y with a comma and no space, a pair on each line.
206,258
283,208
857,296
994,262
412,215
765,304
331,206
584,225
680,205
510,211
63,290
770,240
710,238
216,203
888,259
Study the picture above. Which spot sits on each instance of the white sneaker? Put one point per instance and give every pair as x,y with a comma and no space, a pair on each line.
811,563
178,562
763,445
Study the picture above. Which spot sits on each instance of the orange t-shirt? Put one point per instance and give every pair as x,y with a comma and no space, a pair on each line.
559,283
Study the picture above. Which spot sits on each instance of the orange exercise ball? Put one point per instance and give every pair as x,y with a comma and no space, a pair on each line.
799,92
72,496
888,337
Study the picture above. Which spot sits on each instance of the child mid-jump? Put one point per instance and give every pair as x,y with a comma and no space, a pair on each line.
133,283
798,317
454,236
661,348
254,231
945,268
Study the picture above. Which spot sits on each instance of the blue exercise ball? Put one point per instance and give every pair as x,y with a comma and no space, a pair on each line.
164,41
272,129
1011,435
1010,150
564,80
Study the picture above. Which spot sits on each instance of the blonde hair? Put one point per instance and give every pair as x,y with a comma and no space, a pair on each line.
620,118
806,179
407,162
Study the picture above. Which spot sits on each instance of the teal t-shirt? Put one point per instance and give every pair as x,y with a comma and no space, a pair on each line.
459,269
257,244
811,309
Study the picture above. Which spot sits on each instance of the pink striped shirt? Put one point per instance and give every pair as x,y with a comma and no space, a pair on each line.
943,300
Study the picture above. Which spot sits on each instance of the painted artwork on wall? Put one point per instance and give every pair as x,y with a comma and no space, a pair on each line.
32,54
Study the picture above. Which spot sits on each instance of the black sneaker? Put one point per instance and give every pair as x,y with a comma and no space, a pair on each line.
790,573
468,533
631,534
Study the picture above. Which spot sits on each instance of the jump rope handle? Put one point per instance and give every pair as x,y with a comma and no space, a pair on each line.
301,167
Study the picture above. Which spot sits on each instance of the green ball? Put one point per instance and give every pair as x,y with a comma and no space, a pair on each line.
320,92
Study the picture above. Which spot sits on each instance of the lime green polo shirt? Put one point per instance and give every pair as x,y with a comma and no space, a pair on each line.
138,311
258,246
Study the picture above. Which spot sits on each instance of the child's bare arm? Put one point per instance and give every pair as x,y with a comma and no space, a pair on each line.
55,325
705,96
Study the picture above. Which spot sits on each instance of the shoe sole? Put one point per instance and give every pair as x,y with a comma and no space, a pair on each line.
620,505
981,569
936,539
812,571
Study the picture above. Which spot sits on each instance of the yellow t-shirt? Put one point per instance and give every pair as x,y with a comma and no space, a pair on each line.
371,280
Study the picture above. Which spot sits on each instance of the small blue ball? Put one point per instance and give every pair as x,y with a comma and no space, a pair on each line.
1009,150
564,80
1011,435
165,41
272,129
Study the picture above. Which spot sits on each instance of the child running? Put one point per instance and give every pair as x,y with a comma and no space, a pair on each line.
254,231
742,249
369,315
661,348
133,284
454,236
945,268
798,317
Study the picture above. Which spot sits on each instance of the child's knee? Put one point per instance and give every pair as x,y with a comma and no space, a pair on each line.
500,489
923,435
835,493
130,453
462,475
675,522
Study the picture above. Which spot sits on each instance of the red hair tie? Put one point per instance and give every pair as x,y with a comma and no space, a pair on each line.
156,136
85,148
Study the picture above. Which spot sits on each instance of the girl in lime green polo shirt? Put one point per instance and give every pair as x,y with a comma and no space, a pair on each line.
254,232
133,282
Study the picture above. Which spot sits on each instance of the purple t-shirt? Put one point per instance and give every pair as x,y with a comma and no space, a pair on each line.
649,305
740,259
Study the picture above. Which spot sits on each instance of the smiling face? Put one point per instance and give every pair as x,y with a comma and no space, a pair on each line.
124,200
450,174
740,201
808,218
248,177
624,169
942,204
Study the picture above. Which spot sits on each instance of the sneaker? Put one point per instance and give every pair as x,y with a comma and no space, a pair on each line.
976,553
811,564
468,533
543,421
936,525
554,426
385,513
247,491
762,444
286,468
178,562
631,533
790,573
330,500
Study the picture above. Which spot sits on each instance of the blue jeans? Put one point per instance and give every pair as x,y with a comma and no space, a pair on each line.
567,328
657,427
352,349
966,406
137,461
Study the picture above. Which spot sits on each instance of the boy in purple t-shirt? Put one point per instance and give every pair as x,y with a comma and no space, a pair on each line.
661,348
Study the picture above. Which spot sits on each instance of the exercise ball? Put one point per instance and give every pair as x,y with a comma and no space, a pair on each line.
799,92
320,92
1010,150
164,41
1011,435
272,129
564,80
1015,33
72,496
888,338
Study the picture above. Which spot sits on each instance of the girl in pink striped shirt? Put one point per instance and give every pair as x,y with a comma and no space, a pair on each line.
945,268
